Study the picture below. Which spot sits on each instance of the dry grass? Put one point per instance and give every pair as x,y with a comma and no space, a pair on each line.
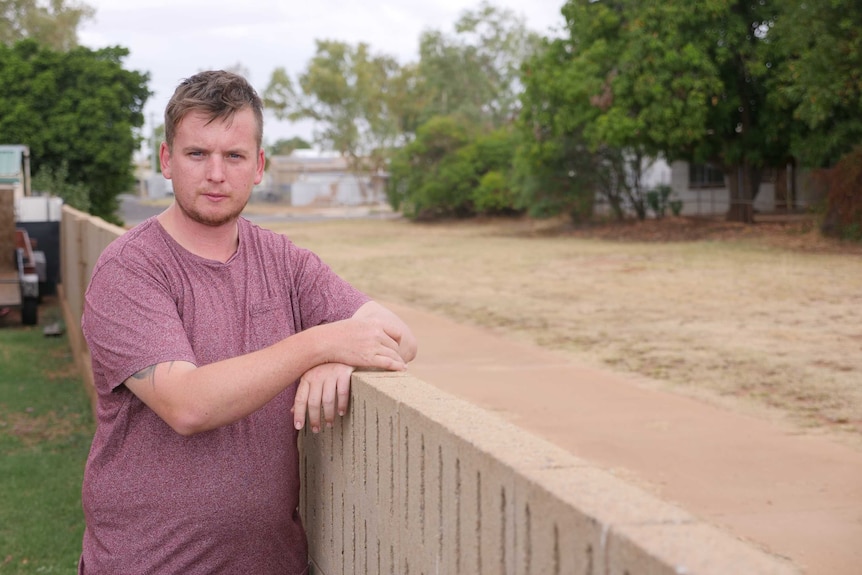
766,319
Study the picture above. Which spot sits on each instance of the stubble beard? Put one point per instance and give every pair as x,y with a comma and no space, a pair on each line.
214,220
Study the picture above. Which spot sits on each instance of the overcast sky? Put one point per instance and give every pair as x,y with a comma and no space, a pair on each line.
173,39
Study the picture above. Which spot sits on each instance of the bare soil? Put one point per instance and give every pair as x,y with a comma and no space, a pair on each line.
765,318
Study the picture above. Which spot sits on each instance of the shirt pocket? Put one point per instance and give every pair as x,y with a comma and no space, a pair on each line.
271,321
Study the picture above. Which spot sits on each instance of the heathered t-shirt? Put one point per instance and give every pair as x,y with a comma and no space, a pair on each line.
223,501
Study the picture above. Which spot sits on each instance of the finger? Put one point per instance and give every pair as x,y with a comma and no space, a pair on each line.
343,393
299,404
328,393
314,397
389,342
390,362
392,353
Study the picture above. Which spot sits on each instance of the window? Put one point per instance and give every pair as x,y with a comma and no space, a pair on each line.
705,176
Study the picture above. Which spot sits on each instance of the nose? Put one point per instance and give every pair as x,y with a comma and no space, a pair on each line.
215,168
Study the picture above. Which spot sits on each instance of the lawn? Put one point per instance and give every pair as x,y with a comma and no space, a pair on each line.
764,318
45,432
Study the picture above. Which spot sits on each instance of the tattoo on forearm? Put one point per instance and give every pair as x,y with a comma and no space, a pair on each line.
150,373
147,373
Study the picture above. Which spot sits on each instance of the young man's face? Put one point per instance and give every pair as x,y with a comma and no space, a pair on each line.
213,166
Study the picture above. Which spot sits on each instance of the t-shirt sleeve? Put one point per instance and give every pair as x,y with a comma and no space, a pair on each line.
131,322
323,296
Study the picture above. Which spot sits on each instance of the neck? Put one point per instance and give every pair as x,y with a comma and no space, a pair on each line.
210,242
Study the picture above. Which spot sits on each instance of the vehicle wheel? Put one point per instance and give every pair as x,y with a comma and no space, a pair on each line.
30,311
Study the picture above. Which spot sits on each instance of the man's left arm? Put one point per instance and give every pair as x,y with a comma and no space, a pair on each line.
326,388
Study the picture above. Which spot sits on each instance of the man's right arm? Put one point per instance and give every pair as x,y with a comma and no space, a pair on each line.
193,399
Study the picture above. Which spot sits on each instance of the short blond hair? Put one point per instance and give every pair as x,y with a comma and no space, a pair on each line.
216,93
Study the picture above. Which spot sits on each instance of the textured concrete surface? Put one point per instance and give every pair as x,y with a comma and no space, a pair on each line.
417,480
796,495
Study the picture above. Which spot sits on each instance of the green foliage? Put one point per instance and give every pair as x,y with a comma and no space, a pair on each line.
474,73
450,170
285,147
53,24
43,445
493,155
494,193
682,80
431,175
80,108
742,85
819,47
358,101
554,165
53,182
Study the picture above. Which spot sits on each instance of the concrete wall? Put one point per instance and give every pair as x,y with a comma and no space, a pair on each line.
414,481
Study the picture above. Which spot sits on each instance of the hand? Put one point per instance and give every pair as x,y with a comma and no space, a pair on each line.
366,342
325,386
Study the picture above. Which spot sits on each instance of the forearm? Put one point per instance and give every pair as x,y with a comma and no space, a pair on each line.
195,399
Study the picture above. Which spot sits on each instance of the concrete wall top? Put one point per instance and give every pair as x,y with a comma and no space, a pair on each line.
414,480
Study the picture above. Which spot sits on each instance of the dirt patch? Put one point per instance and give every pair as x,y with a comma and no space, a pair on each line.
32,429
790,232
764,318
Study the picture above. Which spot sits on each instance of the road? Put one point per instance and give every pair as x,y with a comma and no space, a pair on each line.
135,210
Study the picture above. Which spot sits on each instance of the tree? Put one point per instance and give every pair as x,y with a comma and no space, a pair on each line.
49,181
357,101
493,154
464,93
475,72
79,112
680,79
555,169
818,51
453,169
819,48
53,23
285,147
432,176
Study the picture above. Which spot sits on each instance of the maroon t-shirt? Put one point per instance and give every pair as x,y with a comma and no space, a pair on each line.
222,501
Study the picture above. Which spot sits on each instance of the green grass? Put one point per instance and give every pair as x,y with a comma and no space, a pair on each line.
45,432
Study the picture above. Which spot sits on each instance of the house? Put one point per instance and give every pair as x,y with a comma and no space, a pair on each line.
704,192
312,177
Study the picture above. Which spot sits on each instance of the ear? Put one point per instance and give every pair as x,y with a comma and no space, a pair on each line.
165,160
261,164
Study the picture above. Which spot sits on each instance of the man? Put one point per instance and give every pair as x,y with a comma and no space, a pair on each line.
199,325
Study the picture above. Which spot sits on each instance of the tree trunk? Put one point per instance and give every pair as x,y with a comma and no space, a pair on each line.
792,177
782,196
743,184
785,186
